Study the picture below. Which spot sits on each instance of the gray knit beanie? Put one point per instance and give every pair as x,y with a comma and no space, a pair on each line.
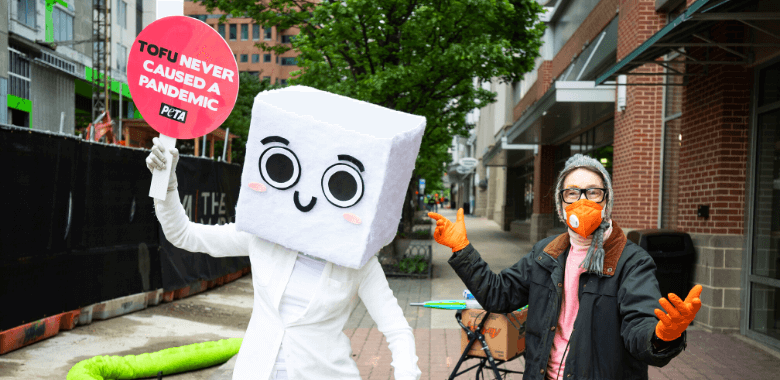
594,260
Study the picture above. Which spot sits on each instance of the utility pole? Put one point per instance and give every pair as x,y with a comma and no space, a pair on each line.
101,57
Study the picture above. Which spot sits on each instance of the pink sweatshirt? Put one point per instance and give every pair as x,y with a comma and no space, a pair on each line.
571,302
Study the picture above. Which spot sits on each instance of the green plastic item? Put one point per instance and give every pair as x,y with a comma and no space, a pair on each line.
169,361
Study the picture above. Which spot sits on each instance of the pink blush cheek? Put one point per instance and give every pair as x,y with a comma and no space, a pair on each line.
256,186
352,218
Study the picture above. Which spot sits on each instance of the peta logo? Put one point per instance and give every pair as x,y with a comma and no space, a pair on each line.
173,113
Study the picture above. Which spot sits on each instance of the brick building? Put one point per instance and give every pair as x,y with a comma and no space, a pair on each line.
680,100
241,34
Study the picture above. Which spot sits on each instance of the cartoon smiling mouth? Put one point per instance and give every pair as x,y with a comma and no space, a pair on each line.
306,208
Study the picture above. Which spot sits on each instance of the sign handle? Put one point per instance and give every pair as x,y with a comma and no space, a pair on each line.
159,187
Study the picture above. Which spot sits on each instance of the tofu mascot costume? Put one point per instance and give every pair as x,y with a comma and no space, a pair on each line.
322,188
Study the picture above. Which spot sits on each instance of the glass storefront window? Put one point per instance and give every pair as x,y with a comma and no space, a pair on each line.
766,228
768,90
671,141
522,190
765,314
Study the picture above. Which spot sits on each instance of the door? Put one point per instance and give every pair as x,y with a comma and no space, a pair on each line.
763,280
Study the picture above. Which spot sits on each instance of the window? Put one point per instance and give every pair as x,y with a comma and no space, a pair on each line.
233,31
277,59
287,39
254,73
244,32
121,17
283,82
221,30
139,16
266,57
289,61
255,32
62,23
255,58
267,79
18,74
25,12
199,17
121,58
244,57
267,36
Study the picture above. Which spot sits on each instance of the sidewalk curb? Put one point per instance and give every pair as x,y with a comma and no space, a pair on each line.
154,297
36,331
119,306
30,333
69,320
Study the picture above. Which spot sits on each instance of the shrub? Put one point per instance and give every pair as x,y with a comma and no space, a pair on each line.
414,264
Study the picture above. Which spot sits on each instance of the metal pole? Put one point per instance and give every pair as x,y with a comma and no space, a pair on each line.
120,114
62,120
203,154
224,148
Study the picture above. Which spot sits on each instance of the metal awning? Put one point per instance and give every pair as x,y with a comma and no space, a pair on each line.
564,108
689,30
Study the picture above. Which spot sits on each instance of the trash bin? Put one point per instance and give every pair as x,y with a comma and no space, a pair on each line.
466,208
674,256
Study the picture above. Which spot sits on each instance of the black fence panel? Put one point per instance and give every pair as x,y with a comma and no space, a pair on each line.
38,288
36,188
81,228
209,193
112,206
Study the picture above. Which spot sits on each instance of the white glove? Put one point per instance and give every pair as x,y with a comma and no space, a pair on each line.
156,160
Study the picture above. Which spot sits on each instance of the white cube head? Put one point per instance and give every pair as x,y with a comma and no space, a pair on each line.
325,174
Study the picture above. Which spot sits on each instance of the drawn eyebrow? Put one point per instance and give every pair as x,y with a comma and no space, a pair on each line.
278,139
346,157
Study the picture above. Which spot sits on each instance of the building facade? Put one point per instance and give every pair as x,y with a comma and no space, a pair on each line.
679,100
241,34
46,75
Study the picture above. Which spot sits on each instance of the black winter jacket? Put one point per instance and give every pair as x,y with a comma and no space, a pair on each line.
615,322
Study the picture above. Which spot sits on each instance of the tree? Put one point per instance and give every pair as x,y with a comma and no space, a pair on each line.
248,87
415,56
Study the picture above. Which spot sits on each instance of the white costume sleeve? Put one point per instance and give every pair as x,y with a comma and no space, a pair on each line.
217,241
383,308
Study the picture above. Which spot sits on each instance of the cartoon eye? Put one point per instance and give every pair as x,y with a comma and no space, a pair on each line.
280,168
342,185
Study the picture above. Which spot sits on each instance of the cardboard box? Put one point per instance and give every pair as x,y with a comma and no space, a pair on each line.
502,337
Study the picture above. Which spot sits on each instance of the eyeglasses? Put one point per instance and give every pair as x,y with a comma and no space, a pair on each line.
593,194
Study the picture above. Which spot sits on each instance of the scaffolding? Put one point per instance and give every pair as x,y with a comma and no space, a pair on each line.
101,53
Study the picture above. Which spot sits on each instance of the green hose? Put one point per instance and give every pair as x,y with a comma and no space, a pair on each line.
169,361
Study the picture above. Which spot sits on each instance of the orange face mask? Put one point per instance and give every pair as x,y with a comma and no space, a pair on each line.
584,216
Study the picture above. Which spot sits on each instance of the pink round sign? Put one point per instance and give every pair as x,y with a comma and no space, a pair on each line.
183,77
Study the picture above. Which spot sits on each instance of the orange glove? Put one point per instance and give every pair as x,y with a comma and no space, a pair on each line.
670,326
452,235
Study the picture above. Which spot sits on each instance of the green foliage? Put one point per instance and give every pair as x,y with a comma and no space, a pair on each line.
423,221
423,234
413,265
238,121
418,57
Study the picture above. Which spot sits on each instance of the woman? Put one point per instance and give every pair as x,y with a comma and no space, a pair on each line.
591,294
